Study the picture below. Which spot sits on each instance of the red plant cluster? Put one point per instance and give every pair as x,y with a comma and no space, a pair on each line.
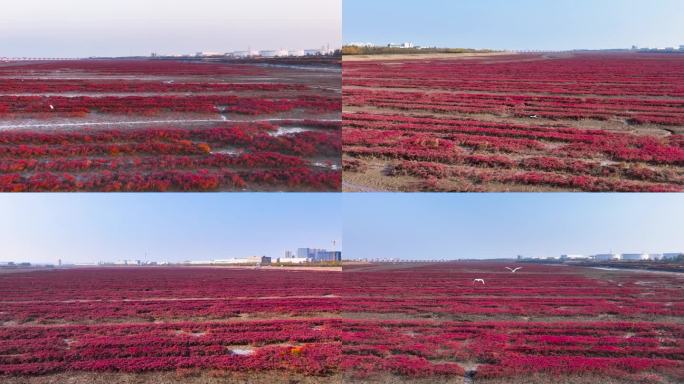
539,320
59,86
228,156
431,171
119,284
47,106
303,346
486,152
668,112
132,67
413,321
636,76
136,88
279,131
492,114
157,319
509,349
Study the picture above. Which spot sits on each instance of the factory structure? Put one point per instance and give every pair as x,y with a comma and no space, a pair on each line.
268,53
405,45
310,255
250,260
302,256
666,49
607,257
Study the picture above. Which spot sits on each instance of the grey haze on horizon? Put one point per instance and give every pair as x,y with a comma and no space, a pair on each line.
82,28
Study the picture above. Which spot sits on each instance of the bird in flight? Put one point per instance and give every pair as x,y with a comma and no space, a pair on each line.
478,281
513,270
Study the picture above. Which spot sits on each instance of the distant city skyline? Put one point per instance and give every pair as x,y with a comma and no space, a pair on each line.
427,226
516,25
81,28
86,228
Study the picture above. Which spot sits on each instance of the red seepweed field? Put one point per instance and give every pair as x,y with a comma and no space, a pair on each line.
525,122
163,125
169,325
541,324
385,323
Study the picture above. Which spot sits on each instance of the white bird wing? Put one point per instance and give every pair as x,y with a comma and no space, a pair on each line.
509,269
517,269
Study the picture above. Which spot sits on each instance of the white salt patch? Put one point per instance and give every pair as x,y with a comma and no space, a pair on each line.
282,131
242,351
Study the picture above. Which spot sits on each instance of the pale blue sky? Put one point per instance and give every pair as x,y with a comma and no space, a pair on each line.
516,24
174,227
81,28
451,226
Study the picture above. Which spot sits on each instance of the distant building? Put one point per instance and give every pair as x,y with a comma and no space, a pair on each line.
329,256
574,257
252,260
294,260
274,53
243,54
208,54
303,252
362,45
403,45
672,255
309,253
296,53
634,257
606,257
317,255
127,262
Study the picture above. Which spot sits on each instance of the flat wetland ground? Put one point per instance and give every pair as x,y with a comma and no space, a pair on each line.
513,122
379,323
177,125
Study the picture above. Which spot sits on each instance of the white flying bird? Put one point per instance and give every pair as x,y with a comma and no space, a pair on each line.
513,270
52,107
478,281
534,117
